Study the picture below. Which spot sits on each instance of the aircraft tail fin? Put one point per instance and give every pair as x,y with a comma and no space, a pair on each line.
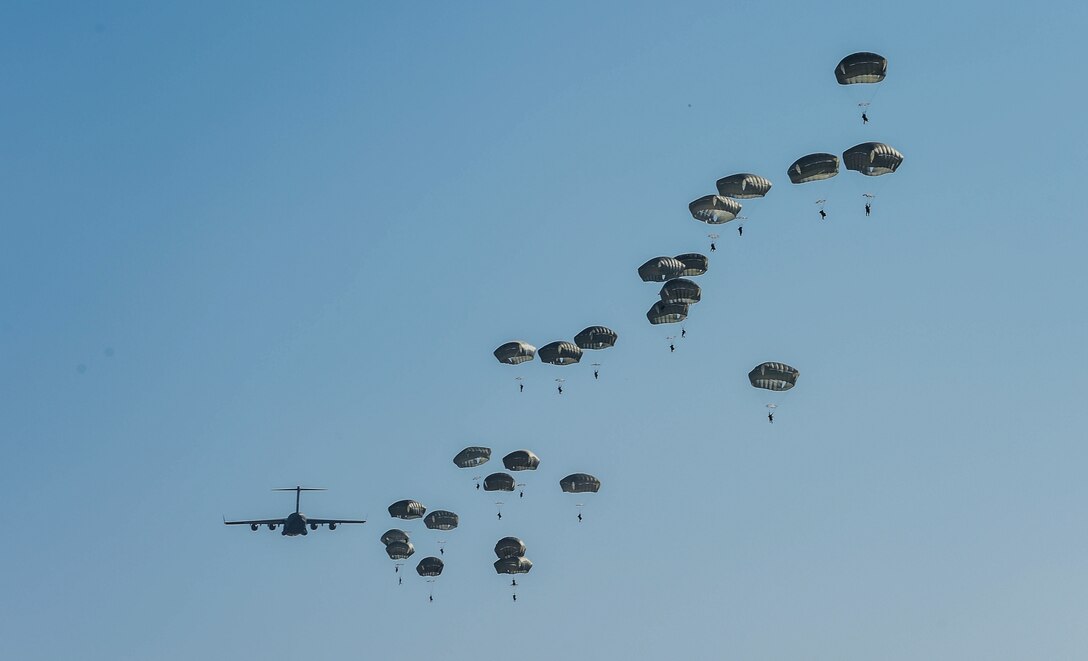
298,493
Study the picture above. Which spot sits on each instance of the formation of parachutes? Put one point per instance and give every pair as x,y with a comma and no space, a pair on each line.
677,294
679,291
510,550
559,352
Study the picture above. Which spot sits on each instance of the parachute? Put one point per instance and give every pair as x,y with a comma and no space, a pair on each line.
399,550
660,269
407,509
813,167
694,263
560,353
441,520
667,313
521,460
394,535
472,456
743,186
430,566
714,209
515,353
861,68
680,290
580,483
509,547
596,337
773,376
872,159
516,565
499,482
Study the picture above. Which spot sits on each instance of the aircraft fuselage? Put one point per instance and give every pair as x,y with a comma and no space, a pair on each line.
295,525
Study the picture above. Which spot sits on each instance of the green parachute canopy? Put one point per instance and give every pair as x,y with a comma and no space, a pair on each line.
596,337
660,269
714,209
472,456
515,353
560,353
813,167
872,159
430,566
861,68
773,376
580,483
441,520
407,509
521,460
743,186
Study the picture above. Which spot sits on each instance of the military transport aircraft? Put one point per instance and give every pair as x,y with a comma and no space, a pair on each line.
295,523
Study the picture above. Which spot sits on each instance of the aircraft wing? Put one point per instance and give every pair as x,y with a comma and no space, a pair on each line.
258,522
336,521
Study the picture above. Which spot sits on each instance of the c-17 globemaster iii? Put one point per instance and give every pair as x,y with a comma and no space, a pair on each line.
296,522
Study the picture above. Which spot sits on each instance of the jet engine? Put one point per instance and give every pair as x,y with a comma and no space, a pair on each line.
271,526
253,527
313,526
332,526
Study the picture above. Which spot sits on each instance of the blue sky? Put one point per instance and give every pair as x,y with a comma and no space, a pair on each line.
267,244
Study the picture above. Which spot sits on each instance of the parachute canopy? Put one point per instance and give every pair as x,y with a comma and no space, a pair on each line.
521,460
872,158
813,167
694,264
519,565
773,376
861,68
680,290
743,186
407,509
580,483
515,353
399,550
512,565
441,520
660,269
596,337
509,547
430,566
499,482
472,456
714,209
394,535
667,313
560,353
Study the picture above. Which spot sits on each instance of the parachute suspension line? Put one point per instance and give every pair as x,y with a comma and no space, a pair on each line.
867,103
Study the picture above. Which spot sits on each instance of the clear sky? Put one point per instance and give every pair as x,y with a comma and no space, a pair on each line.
250,245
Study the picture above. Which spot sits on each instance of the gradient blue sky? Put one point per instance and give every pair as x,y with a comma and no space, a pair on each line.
257,244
